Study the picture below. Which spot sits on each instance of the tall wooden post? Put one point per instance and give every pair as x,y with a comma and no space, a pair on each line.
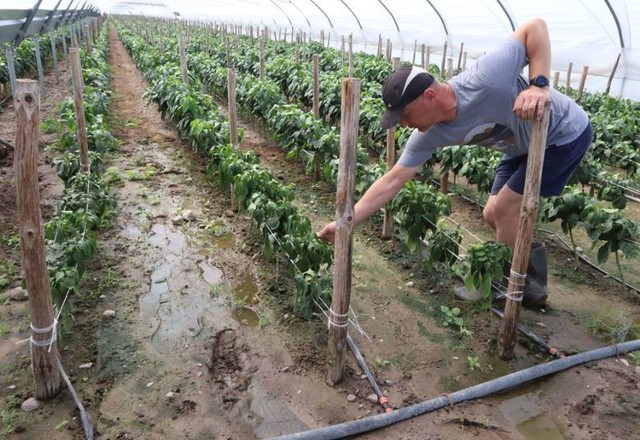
261,57
44,351
183,59
556,79
78,86
568,87
339,311
350,55
233,114
444,57
87,38
387,223
460,56
583,80
528,215
317,165
427,59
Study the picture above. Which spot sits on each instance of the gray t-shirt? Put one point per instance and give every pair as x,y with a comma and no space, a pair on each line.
485,111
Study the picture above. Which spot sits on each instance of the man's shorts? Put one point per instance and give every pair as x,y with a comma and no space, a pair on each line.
560,161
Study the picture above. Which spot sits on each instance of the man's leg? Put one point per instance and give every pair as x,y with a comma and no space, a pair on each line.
502,213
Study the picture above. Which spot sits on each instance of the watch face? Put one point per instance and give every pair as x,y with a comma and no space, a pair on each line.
540,81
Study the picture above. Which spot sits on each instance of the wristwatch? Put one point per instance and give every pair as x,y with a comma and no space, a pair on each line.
539,81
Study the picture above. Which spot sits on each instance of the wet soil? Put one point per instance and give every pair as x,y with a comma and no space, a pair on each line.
204,345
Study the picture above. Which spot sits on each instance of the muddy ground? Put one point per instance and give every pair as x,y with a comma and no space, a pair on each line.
203,344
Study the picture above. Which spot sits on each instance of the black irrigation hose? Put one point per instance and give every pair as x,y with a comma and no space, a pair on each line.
7,144
535,338
475,392
382,399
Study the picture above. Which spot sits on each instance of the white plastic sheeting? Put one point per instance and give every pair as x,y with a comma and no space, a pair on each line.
583,32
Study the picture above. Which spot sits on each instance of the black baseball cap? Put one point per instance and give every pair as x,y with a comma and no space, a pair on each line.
401,87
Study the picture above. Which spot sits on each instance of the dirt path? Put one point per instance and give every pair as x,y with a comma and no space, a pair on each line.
203,344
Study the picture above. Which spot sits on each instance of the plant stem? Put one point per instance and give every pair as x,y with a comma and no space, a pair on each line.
624,284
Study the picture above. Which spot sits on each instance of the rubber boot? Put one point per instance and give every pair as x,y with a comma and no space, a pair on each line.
535,286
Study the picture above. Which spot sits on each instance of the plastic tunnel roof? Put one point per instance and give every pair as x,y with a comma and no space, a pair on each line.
583,32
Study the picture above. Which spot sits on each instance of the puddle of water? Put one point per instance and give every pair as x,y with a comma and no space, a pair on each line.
525,412
224,241
171,241
246,290
211,275
222,238
541,427
246,316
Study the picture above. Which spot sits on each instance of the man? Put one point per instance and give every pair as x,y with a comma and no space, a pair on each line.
489,104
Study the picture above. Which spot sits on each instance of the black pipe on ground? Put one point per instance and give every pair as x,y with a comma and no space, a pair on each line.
475,392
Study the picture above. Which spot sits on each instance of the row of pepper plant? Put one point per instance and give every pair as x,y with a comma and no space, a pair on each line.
87,203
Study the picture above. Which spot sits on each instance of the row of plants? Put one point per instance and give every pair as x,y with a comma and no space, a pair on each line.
255,190
87,202
24,58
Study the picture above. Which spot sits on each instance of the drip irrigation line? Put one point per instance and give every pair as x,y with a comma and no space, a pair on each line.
7,144
586,260
382,399
535,338
86,423
632,190
500,384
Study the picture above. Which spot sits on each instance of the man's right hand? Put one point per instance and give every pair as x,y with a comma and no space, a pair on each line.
328,233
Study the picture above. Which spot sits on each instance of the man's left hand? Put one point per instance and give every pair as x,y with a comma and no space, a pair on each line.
530,102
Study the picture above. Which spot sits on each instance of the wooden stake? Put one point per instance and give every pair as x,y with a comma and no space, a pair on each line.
387,223
317,165
233,114
556,80
350,55
261,57
78,87
583,80
449,68
87,38
464,61
427,58
568,86
613,71
415,49
379,45
44,356
183,59
460,56
444,57
389,50
338,313
528,215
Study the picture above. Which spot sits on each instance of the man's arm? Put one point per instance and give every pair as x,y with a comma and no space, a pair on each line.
534,35
382,190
